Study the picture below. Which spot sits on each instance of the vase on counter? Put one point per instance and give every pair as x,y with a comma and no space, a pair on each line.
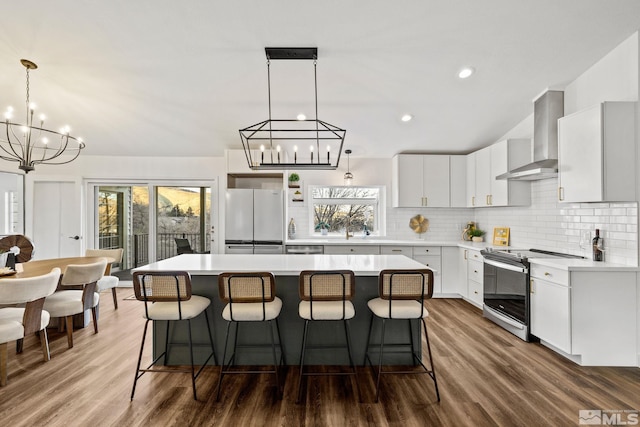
477,238
291,229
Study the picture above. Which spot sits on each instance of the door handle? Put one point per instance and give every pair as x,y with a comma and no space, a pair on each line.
74,237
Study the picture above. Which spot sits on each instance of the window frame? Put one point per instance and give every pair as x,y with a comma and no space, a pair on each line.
378,203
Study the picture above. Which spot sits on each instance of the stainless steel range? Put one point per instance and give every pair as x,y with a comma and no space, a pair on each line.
506,287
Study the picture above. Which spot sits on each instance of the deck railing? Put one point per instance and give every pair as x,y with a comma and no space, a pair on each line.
165,245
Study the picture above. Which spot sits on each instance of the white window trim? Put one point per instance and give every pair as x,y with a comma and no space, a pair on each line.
381,202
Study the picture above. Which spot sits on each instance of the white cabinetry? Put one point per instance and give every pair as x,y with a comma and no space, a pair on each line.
596,149
589,316
420,180
431,257
550,311
451,271
352,249
471,180
458,181
474,280
495,160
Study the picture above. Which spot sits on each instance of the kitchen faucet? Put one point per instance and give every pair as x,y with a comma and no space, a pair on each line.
346,228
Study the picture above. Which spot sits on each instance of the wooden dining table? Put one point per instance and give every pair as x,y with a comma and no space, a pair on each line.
44,266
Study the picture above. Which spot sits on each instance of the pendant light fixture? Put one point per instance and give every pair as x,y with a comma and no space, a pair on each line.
30,144
348,176
298,143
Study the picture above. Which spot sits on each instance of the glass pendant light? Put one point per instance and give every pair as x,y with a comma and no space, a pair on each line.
348,176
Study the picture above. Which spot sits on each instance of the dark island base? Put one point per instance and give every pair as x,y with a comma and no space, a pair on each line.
291,329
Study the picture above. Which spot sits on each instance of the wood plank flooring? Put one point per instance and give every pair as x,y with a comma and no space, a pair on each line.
486,376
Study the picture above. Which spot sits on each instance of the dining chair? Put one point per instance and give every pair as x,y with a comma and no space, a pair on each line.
402,293
250,298
167,297
108,281
326,296
67,303
18,322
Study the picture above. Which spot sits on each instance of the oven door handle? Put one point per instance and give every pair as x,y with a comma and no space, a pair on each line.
506,266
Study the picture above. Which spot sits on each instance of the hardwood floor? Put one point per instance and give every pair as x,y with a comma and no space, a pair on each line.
486,377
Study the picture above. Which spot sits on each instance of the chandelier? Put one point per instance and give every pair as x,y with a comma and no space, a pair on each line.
292,143
30,144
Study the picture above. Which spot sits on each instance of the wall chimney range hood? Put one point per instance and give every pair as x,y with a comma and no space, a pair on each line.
547,109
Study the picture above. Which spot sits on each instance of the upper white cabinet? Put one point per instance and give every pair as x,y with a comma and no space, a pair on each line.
458,181
495,160
420,180
471,180
596,152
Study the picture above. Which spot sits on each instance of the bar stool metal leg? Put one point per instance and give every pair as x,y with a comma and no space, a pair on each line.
224,357
432,374
353,366
302,351
380,361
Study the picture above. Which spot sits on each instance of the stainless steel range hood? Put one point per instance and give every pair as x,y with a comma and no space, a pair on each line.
547,109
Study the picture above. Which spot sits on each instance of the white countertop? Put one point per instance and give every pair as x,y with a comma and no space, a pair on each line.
356,241
284,265
573,264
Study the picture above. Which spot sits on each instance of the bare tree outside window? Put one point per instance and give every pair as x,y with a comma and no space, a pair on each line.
336,208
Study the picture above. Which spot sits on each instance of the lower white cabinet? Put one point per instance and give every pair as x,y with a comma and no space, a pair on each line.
589,316
550,313
431,257
475,277
352,249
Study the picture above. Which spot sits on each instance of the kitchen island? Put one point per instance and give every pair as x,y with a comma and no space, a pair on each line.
205,268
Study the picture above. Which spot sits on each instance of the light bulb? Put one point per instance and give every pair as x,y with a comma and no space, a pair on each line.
45,141
301,117
42,117
32,106
466,72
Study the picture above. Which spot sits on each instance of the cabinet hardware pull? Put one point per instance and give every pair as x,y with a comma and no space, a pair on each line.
560,193
396,250
465,254
531,286
487,200
473,200
547,273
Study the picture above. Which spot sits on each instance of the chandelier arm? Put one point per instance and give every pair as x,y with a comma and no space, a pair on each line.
10,126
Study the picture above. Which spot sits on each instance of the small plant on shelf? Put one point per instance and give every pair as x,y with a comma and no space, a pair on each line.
294,180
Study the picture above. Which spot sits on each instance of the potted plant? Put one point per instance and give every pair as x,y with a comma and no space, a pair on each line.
294,178
476,234
323,227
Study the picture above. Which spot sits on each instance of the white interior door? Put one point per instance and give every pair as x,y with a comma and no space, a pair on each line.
57,228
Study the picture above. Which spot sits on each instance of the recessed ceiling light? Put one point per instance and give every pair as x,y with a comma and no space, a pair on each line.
301,117
406,117
466,72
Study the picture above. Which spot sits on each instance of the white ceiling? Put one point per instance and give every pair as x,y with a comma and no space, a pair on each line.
167,78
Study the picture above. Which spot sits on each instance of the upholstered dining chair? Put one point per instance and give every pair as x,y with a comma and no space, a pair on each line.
250,298
402,294
325,295
67,303
108,281
17,322
167,297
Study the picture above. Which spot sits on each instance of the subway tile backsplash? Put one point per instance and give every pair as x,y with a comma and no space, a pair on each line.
546,224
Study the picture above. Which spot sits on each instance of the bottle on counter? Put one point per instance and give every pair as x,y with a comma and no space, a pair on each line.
598,245
291,230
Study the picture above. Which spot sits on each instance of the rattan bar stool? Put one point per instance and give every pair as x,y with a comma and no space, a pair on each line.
250,297
402,294
167,297
326,296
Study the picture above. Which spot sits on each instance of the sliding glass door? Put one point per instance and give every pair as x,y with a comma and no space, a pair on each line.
145,219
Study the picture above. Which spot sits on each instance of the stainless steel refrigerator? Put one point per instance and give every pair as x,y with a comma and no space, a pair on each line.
254,221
